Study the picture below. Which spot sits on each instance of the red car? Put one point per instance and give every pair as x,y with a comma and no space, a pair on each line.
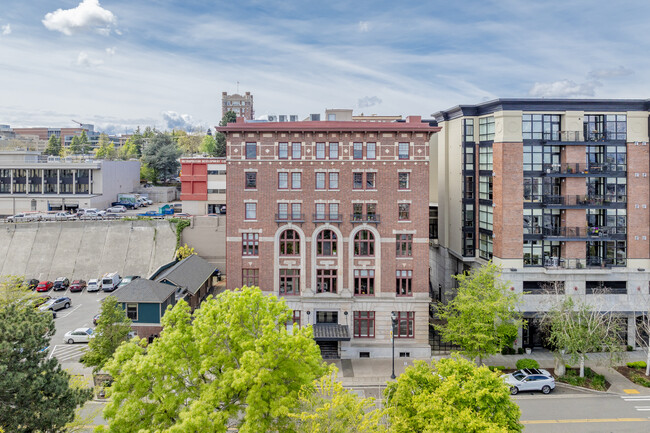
77,286
44,286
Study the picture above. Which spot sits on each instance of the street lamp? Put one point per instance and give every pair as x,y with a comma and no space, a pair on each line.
393,321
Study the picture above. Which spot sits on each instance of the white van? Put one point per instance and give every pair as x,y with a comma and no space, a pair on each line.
110,282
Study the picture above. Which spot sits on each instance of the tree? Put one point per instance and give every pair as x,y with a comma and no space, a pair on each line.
53,146
75,146
451,395
112,329
86,148
482,318
147,174
132,148
329,408
208,145
105,149
229,117
220,138
35,393
230,363
642,333
184,252
189,143
161,155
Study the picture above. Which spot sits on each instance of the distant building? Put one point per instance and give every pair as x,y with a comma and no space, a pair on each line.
65,134
203,185
242,105
345,114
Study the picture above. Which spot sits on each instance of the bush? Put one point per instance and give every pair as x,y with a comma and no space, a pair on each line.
520,351
527,363
630,348
496,368
640,380
637,364
508,350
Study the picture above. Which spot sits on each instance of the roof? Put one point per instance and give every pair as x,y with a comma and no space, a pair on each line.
331,332
144,290
412,124
190,273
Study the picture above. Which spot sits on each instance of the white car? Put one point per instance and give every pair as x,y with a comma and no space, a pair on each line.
116,209
79,335
530,379
93,285
93,214
23,217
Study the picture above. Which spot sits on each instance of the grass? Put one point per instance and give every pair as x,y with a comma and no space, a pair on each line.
591,380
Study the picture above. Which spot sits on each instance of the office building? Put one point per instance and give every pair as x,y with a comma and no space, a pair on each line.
242,105
203,185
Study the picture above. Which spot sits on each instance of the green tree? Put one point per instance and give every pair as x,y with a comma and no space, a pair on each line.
75,146
184,252
231,363
132,148
147,174
229,117
220,138
84,142
189,143
161,154
452,395
209,145
112,329
53,146
483,317
35,393
105,148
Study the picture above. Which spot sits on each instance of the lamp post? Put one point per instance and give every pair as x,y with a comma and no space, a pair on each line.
393,321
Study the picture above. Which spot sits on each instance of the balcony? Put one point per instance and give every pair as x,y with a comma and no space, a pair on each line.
579,138
584,170
290,218
365,218
584,201
589,262
578,233
327,218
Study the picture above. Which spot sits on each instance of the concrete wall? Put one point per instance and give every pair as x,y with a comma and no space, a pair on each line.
159,194
207,235
85,249
116,177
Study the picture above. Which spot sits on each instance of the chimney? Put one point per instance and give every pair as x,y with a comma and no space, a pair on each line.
414,119
241,120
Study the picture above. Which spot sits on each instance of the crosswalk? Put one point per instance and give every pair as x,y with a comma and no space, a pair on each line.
641,402
68,352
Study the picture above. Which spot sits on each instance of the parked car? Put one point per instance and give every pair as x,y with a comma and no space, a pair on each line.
93,214
23,217
110,281
530,379
31,284
56,304
126,205
56,216
77,286
95,319
79,335
116,209
126,280
44,286
93,285
146,200
61,283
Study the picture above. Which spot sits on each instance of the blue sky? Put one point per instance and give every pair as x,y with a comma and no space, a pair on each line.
123,63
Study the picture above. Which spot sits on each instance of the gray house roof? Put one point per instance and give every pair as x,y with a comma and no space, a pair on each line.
144,290
190,273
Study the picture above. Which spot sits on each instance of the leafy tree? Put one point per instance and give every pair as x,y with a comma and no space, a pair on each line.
227,118
220,138
147,174
112,329
189,143
643,332
75,146
482,318
13,289
53,146
105,149
84,142
231,363
161,155
184,252
209,145
451,395
133,146
35,393
327,407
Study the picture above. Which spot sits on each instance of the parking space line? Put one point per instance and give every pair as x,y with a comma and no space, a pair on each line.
68,312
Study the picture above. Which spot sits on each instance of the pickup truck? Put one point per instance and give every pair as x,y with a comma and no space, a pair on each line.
57,216
126,205
24,217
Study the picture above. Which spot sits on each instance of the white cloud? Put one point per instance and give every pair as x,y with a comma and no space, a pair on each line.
368,101
605,73
173,120
83,59
110,51
87,15
6,29
364,26
564,89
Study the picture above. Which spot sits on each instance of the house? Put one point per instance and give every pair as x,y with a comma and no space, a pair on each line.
145,301
192,277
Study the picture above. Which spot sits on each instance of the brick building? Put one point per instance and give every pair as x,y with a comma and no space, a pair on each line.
242,105
203,185
333,217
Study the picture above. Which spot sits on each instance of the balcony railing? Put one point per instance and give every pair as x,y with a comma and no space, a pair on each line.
295,218
327,218
584,169
589,262
576,232
582,136
583,200
364,218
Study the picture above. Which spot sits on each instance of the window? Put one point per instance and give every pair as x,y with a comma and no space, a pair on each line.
295,319
334,151
250,243
485,187
404,211
326,281
326,243
251,180
371,150
283,211
485,246
320,150
485,158
364,244
364,281
364,324
295,180
320,211
357,150
403,150
370,180
334,212
289,243
289,281
405,324
403,282
486,128
485,217
404,245
283,150
357,180
283,180
251,211
327,317
295,151
331,117
250,277
540,126
132,311
251,150
334,181
404,180
469,130
295,212
320,180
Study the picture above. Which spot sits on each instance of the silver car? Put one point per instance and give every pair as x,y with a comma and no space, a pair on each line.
79,335
56,304
530,379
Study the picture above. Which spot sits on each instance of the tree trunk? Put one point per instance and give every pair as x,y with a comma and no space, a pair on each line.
582,365
647,362
560,368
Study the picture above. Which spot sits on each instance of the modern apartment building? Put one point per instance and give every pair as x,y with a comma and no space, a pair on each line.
242,105
203,185
332,216
554,191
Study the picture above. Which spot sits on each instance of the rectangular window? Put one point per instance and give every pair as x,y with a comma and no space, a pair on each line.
364,282
404,211
405,324
327,317
250,243
283,180
485,158
364,324
289,281
251,180
295,151
357,150
469,130
320,150
334,151
403,282
251,211
320,211
296,317
485,246
283,211
403,149
485,217
295,211
251,150
295,180
132,312
334,211
370,180
486,128
404,245
485,187
283,150
334,181
357,180
320,180
250,277
326,281
404,181
371,150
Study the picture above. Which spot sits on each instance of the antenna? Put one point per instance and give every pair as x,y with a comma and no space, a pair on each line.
237,87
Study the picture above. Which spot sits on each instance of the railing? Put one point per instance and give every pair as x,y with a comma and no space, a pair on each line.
589,262
365,218
583,200
582,136
583,168
296,218
327,218
576,232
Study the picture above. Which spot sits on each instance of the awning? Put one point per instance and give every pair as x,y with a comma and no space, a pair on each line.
331,332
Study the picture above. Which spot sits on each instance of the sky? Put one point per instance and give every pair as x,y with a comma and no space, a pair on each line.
120,64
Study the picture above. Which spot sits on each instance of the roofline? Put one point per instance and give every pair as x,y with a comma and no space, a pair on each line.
326,126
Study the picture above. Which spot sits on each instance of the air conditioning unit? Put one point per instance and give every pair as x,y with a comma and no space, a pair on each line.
273,118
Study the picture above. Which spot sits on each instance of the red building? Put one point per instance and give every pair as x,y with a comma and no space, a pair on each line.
203,185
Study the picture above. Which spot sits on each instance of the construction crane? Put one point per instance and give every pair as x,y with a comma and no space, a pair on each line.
81,125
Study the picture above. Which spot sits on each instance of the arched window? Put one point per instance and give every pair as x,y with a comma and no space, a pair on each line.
364,244
326,243
289,243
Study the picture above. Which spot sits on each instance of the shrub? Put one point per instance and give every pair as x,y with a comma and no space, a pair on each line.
527,363
598,382
520,351
496,368
630,348
640,380
504,351
637,364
